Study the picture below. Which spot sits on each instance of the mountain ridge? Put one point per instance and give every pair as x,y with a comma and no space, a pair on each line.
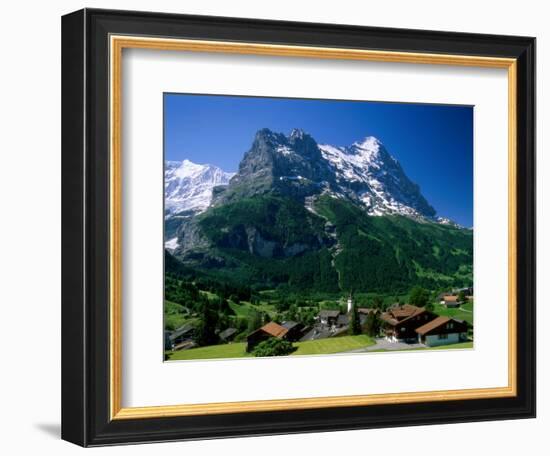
313,217
296,165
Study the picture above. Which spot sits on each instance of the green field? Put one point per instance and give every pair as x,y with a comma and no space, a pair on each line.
460,345
311,347
469,344
464,312
236,350
332,345
245,309
242,309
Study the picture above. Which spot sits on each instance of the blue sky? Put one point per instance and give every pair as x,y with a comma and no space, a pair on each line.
433,143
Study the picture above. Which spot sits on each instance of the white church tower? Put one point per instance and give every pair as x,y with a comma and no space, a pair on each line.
350,303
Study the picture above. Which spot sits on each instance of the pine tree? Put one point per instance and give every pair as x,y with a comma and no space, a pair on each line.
372,325
355,323
206,330
254,321
419,297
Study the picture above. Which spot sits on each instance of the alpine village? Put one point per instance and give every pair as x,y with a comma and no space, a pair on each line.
310,249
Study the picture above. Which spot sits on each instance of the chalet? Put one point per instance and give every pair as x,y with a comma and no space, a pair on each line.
442,331
328,317
342,320
450,301
295,330
228,334
268,330
400,323
182,334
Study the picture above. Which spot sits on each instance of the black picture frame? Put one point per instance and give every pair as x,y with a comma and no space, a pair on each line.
85,225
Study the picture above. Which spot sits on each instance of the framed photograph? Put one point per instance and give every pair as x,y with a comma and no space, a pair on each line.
278,227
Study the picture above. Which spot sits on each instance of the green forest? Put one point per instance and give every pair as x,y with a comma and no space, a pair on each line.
342,248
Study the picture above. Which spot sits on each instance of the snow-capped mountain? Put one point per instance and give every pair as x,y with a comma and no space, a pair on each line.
296,165
295,199
188,186
376,179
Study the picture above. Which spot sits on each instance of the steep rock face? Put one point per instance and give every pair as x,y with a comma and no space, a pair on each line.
264,226
285,165
278,168
297,166
257,245
367,172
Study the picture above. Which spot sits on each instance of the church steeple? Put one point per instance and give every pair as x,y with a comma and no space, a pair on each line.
350,302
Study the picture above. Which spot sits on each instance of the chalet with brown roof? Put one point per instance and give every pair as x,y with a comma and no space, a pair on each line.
442,331
268,330
400,323
450,301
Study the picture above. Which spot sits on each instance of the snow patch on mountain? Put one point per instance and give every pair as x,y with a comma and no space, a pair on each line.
447,221
378,180
188,186
172,244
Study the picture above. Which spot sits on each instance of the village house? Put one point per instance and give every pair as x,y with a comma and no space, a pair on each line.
295,330
442,331
268,330
328,323
400,323
183,335
328,317
227,335
450,301
342,320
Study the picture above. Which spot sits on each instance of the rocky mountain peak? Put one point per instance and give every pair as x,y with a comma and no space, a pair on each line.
369,143
188,186
295,165
298,134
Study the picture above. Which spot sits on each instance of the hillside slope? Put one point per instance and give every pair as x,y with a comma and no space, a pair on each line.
268,241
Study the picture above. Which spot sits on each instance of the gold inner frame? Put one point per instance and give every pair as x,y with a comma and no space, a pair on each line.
117,44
